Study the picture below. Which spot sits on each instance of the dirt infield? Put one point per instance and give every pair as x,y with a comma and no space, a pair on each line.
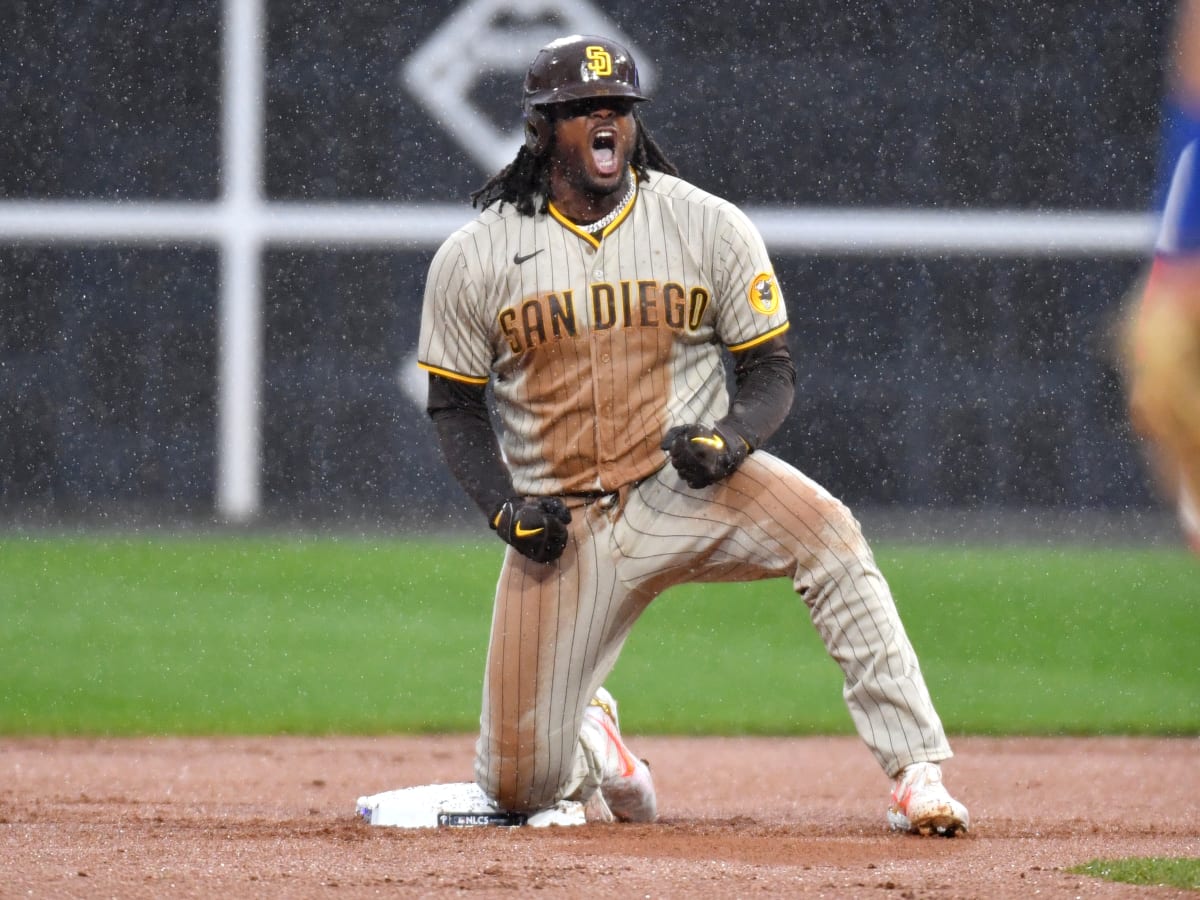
274,817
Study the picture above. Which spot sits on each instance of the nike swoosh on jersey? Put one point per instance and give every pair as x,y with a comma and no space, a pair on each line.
519,258
715,441
525,532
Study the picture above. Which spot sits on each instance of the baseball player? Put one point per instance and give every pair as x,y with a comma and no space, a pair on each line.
1162,342
596,295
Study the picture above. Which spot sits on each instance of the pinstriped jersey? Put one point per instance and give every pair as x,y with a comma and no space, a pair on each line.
596,345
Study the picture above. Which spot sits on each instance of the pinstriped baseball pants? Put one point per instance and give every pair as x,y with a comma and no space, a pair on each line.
558,629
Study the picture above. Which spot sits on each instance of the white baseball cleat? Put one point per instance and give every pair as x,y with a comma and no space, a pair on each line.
626,790
922,805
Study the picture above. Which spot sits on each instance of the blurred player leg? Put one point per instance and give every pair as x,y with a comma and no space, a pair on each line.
1162,342
1189,516
1163,363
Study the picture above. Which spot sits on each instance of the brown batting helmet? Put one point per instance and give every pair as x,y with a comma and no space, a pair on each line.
574,68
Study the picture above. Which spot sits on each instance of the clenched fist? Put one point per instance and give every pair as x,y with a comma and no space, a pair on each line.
704,455
535,527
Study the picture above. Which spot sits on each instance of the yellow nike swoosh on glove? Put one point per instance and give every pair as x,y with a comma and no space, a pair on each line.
715,441
523,532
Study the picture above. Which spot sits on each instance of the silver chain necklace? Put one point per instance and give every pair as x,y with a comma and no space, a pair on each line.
612,216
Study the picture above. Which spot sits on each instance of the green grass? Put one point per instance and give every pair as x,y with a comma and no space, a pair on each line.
259,635
1163,872
1055,640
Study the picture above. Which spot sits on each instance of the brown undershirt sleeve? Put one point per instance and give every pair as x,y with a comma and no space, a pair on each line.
765,379
468,441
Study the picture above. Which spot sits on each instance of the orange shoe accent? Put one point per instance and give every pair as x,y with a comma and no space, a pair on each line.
628,763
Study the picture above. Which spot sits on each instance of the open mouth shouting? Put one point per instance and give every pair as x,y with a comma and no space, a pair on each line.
604,151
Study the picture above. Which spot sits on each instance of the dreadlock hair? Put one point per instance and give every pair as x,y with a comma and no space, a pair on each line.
525,182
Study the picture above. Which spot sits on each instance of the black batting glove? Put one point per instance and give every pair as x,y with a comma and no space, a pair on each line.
535,527
703,455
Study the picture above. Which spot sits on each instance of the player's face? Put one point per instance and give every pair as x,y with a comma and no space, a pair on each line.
594,140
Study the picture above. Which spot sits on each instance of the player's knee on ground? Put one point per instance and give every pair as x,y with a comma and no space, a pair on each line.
523,785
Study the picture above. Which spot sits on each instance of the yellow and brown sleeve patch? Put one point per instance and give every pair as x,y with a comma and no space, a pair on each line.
764,293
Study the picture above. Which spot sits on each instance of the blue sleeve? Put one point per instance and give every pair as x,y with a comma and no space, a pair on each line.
1179,228
1180,126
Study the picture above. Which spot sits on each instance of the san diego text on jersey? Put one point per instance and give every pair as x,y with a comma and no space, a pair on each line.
629,304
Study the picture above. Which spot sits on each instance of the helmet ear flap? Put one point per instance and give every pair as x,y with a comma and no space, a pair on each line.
538,131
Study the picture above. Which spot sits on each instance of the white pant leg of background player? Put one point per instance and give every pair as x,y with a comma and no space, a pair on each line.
556,634
770,520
